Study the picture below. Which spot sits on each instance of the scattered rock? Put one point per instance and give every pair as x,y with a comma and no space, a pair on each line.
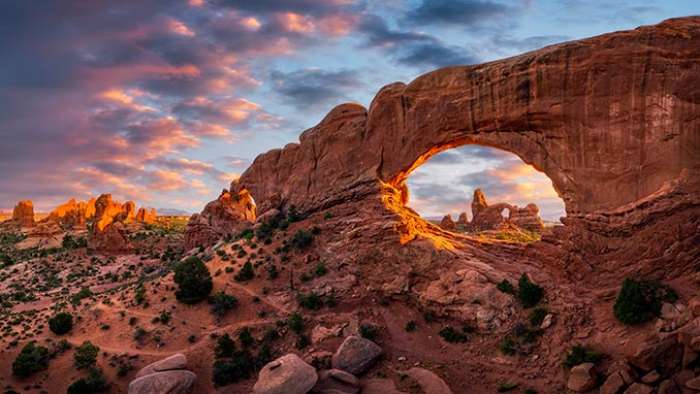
651,378
639,388
286,375
335,381
613,384
668,387
356,355
379,386
547,321
664,355
582,378
429,381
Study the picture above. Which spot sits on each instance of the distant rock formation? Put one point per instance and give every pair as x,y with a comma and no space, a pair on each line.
226,215
72,213
110,222
447,223
146,215
23,214
491,217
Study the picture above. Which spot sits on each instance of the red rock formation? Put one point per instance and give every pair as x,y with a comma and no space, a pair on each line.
463,222
492,217
23,214
527,218
72,213
146,215
622,149
447,223
226,215
111,222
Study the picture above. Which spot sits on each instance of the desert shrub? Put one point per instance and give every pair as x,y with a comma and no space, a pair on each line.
449,334
61,323
640,301
302,239
537,316
506,287
507,346
78,297
246,273
85,355
310,301
327,216
320,269
69,242
411,326
194,281
225,347
296,323
246,338
581,354
272,272
140,294
164,317
239,366
506,387
369,331
246,234
221,303
529,293
293,215
302,342
94,383
33,358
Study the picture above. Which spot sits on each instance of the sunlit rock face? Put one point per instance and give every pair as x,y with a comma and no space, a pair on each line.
23,213
72,213
109,230
621,149
227,215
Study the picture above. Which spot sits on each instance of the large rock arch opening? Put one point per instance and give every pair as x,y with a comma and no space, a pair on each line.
613,121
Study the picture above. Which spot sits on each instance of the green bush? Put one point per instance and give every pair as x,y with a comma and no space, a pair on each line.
239,366
94,383
246,273
411,326
194,281
529,293
537,316
61,323
246,338
640,301
369,331
581,354
78,297
507,346
296,323
85,355
451,335
31,359
302,239
310,301
73,243
225,347
506,287
221,303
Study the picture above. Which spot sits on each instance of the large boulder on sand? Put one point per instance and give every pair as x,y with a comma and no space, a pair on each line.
288,374
356,355
176,361
582,378
171,382
168,375
335,381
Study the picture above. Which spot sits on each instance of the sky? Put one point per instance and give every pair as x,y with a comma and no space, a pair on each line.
166,101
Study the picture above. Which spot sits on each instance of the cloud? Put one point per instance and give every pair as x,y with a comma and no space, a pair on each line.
315,86
465,13
411,48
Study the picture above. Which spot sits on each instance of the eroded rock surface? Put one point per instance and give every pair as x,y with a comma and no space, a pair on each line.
23,213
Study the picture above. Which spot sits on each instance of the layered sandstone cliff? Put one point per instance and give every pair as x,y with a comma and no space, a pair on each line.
23,213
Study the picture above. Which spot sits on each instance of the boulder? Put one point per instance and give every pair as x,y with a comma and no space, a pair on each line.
170,382
288,374
335,381
230,213
668,386
664,355
356,355
582,378
379,386
176,361
613,384
429,382
639,388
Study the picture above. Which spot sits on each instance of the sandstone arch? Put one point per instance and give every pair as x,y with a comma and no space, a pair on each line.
613,121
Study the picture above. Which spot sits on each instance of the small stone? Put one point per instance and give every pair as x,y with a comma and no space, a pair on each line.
356,355
582,378
694,306
651,378
668,387
638,388
547,322
402,358
613,384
